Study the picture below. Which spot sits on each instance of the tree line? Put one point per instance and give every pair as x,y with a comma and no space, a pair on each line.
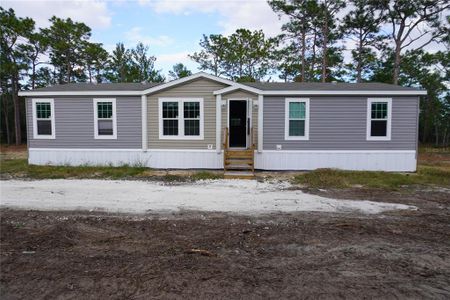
388,38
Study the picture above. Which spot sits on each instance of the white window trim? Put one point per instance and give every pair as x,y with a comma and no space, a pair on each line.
180,135
52,119
286,120
114,119
369,119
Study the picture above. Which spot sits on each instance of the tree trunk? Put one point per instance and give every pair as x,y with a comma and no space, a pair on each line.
17,129
302,76
313,58
90,74
6,119
397,61
325,48
436,133
359,62
68,72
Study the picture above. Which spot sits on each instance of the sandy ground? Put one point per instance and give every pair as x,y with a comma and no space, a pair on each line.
247,197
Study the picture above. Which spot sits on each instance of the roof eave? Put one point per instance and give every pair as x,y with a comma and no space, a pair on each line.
355,93
80,93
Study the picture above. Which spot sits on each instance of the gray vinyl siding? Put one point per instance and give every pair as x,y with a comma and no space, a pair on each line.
339,123
74,124
201,88
239,95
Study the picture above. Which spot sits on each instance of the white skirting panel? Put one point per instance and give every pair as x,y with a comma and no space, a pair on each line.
158,159
393,161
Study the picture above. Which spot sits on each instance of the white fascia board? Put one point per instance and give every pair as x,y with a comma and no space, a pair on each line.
237,86
228,89
185,79
80,93
355,93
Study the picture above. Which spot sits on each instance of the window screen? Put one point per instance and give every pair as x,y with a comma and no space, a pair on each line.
170,118
297,118
43,118
181,118
379,119
105,118
191,118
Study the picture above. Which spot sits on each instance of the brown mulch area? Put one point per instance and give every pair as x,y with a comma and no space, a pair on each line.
78,255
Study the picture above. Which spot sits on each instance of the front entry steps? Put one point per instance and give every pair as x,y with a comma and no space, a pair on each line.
239,164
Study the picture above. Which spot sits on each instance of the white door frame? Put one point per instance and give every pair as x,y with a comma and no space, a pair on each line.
249,115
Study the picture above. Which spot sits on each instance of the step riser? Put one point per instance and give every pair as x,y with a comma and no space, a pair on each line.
238,157
240,163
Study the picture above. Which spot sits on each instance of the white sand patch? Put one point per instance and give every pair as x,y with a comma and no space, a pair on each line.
247,197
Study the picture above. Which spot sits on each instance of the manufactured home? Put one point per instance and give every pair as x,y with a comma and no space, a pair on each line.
207,122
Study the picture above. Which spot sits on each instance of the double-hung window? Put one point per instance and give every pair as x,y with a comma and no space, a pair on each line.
181,118
379,119
296,119
105,122
43,119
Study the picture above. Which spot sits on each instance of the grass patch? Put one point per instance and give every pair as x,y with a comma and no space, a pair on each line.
205,175
19,168
173,178
331,178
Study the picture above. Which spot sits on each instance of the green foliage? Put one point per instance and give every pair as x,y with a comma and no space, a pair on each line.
133,65
67,40
95,59
363,26
330,178
19,168
212,56
309,51
244,55
179,71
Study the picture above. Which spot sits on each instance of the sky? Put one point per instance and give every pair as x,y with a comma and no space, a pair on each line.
171,28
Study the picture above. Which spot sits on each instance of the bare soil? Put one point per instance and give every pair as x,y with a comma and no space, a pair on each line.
80,255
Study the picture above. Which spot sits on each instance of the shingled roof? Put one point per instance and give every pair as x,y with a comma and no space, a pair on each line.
265,88
319,86
122,86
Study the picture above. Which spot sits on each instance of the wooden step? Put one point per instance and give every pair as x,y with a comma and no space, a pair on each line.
236,154
238,167
239,175
237,161
240,151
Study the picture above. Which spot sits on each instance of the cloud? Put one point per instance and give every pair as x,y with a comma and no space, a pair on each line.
251,14
94,13
166,61
134,36
174,58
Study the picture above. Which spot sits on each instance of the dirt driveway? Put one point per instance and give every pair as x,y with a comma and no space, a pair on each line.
248,197
195,255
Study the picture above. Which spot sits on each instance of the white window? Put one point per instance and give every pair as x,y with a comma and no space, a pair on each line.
43,119
296,125
105,119
181,118
379,111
